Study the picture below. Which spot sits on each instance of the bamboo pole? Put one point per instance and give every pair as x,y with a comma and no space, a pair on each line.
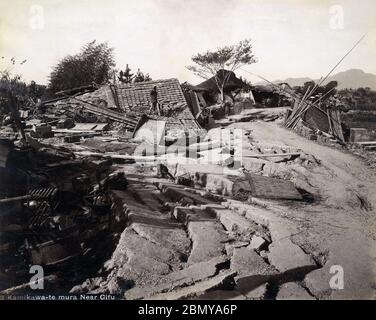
308,105
343,58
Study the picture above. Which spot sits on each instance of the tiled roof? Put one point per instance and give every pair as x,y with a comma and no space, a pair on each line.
136,96
232,82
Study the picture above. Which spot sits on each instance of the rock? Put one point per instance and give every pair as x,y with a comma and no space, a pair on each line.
198,271
116,286
234,222
221,295
286,256
207,240
192,213
293,291
253,213
237,244
188,276
257,293
317,281
253,273
347,262
229,185
134,250
281,231
272,169
253,165
257,243
171,238
88,285
220,184
247,262
143,263
223,280
199,173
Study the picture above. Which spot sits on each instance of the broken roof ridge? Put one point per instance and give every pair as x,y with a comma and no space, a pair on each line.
146,83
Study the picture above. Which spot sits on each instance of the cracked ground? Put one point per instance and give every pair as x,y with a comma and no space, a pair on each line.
186,243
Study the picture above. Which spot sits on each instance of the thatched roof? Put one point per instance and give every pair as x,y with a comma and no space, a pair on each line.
231,84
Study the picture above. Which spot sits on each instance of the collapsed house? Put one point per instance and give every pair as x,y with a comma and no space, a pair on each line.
238,96
154,203
124,105
206,96
269,96
61,191
54,208
228,78
315,121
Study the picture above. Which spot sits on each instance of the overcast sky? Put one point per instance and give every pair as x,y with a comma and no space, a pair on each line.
291,38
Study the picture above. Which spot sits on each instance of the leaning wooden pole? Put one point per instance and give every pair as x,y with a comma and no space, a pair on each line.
343,58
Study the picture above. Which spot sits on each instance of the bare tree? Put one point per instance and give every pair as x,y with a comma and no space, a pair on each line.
214,64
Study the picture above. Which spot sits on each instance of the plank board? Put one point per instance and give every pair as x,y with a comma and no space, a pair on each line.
195,104
271,188
335,116
364,143
271,155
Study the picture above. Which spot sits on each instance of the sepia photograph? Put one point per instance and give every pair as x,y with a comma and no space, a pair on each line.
213,152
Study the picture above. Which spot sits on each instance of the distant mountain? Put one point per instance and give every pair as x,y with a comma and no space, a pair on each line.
291,81
353,78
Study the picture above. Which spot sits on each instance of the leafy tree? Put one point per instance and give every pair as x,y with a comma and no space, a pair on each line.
93,64
141,77
212,63
13,94
331,85
126,76
360,99
35,91
24,95
307,86
247,83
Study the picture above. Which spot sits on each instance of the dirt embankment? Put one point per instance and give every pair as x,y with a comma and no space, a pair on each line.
340,225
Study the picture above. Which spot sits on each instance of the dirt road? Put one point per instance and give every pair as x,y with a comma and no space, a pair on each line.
339,226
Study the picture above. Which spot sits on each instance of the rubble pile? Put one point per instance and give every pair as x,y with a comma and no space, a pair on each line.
54,208
156,204
322,123
207,248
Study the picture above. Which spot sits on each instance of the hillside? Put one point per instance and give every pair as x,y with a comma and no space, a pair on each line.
352,78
